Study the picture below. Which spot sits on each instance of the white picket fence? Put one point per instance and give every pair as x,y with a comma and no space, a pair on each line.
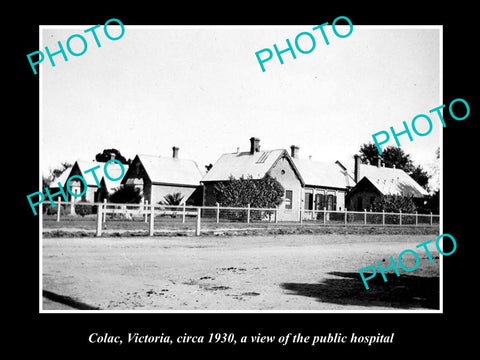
211,215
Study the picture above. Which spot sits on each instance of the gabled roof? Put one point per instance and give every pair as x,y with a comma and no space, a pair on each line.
85,165
391,181
169,170
245,164
324,174
114,171
82,165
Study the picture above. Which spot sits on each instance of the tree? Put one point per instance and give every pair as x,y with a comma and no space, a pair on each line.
262,193
391,156
172,199
55,173
126,194
368,152
106,155
432,204
420,176
395,156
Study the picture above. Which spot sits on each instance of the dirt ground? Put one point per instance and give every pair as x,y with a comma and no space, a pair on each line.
273,272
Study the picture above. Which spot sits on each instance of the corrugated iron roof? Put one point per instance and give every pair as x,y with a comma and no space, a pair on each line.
324,174
243,164
169,170
313,173
391,181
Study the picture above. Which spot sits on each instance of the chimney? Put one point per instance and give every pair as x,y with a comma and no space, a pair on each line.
379,161
294,151
356,174
175,152
254,145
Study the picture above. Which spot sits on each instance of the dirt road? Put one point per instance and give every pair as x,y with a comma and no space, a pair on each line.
283,272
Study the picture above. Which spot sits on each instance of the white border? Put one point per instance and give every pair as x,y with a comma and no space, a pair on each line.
226,27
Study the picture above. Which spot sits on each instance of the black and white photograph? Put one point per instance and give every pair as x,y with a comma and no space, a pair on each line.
267,184
218,186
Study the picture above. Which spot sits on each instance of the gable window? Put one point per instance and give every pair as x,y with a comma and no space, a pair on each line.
288,199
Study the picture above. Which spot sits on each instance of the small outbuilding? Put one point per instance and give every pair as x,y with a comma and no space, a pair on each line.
159,176
374,181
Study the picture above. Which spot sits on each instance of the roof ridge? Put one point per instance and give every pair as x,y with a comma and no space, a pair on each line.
166,157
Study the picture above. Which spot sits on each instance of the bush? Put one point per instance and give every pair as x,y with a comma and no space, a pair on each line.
126,194
259,193
394,203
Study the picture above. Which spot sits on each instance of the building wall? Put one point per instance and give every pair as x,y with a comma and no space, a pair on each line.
285,175
367,197
209,194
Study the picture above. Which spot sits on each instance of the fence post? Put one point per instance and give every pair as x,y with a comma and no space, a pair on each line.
183,215
248,213
416,218
218,212
431,219
383,217
104,213
145,209
59,203
346,215
365,216
400,217
324,215
152,220
197,228
301,215
72,208
276,214
99,219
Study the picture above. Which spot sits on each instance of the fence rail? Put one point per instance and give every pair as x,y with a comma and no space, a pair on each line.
111,217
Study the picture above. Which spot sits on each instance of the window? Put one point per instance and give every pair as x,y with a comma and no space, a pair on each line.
331,202
288,199
263,157
319,201
325,201
308,201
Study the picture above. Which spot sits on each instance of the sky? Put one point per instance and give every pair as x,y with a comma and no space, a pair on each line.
200,88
